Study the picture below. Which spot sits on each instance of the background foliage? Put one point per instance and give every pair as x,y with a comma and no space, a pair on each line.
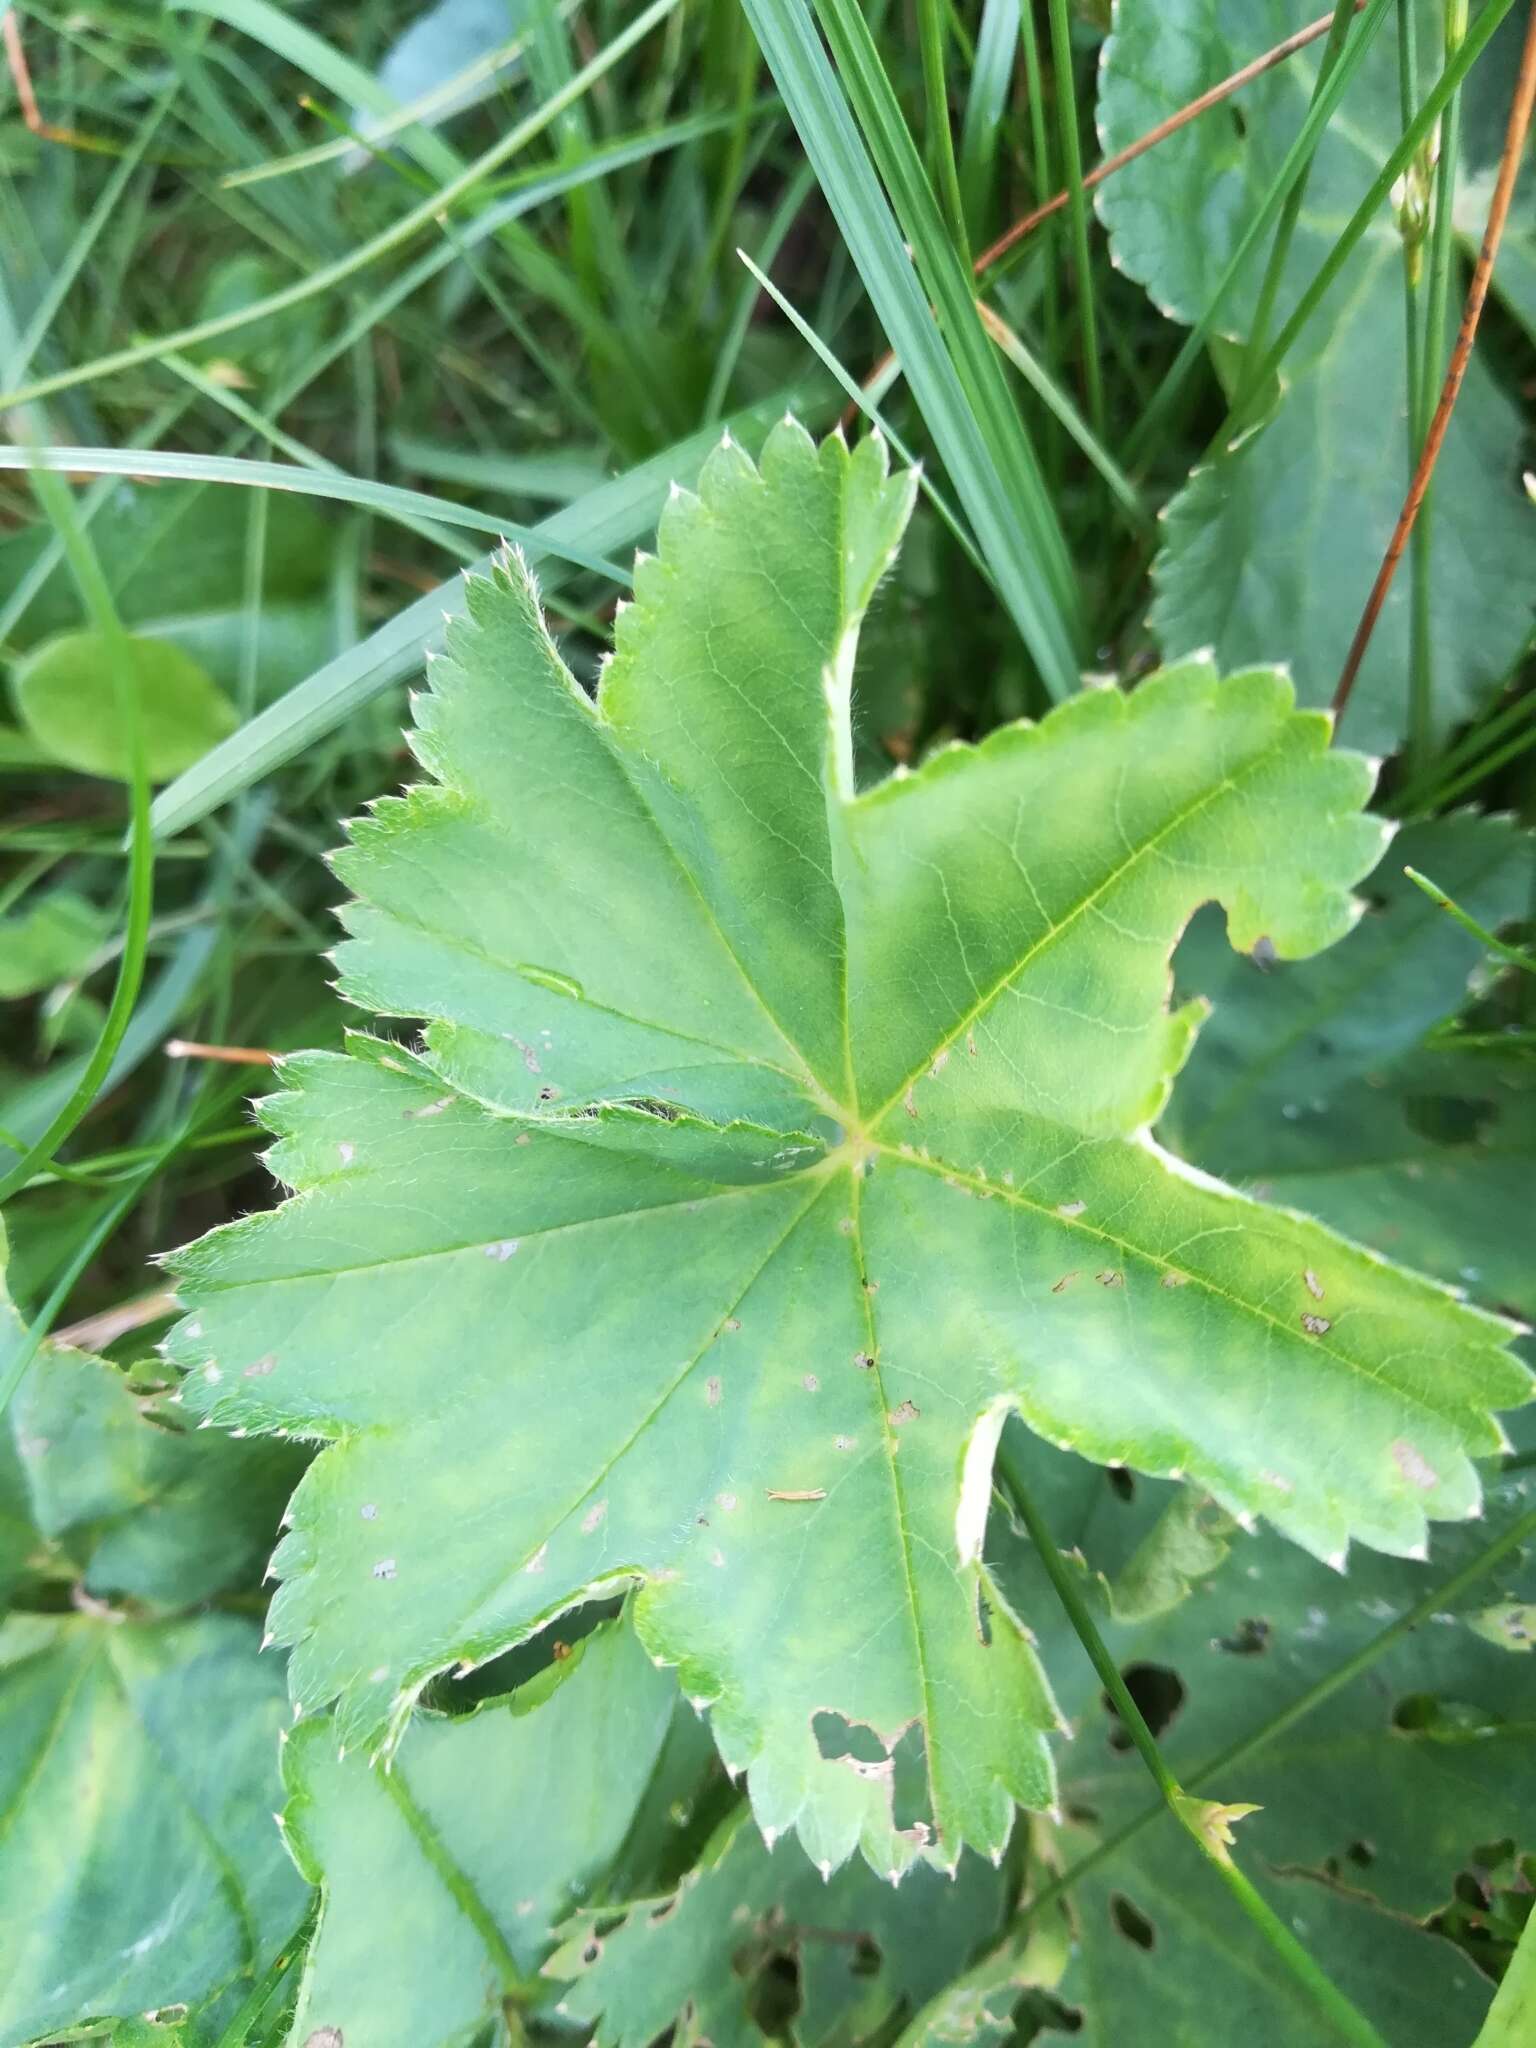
305,307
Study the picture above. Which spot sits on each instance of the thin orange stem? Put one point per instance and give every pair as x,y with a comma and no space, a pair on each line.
1477,293
21,78
231,1055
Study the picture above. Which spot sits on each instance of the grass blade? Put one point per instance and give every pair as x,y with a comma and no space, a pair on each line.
328,275
387,499
973,423
615,516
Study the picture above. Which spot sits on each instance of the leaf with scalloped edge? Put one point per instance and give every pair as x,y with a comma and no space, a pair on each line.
1270,549
768,1145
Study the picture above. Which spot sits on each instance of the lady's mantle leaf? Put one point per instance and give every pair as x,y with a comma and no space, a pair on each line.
563,1339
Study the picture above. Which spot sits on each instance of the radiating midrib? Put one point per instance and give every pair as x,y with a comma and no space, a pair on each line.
1013,1197
1229,784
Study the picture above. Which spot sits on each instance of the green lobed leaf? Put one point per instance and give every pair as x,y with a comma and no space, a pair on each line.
492,1827
1270,550
559,1341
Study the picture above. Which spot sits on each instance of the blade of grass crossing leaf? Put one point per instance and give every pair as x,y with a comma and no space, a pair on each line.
1290,212
1516,131
986,104
940,136
1320,112
56,499
1412,223
411,507
1061,409
1072,165
616,515
1045,186
950,287
1431,368
794,196
866,405
1034,591
1439,1599
326,276
1478,37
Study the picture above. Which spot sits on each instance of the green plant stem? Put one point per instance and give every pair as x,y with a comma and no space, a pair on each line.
1442,239
1488,765
1421,404
1428,792
1061,409
1347,2019
1512,954
1040,154
939,133
1411,227
1433,1602
1072,167
1290,212
238,2033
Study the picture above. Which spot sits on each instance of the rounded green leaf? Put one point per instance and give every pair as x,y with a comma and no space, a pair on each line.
66,696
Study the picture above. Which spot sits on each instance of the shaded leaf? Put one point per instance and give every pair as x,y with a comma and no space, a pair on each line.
169,551
565,1334
50,941
491,1827
858,1949
1270,550
1310,1085
114,1485
1369,1807
141,1868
